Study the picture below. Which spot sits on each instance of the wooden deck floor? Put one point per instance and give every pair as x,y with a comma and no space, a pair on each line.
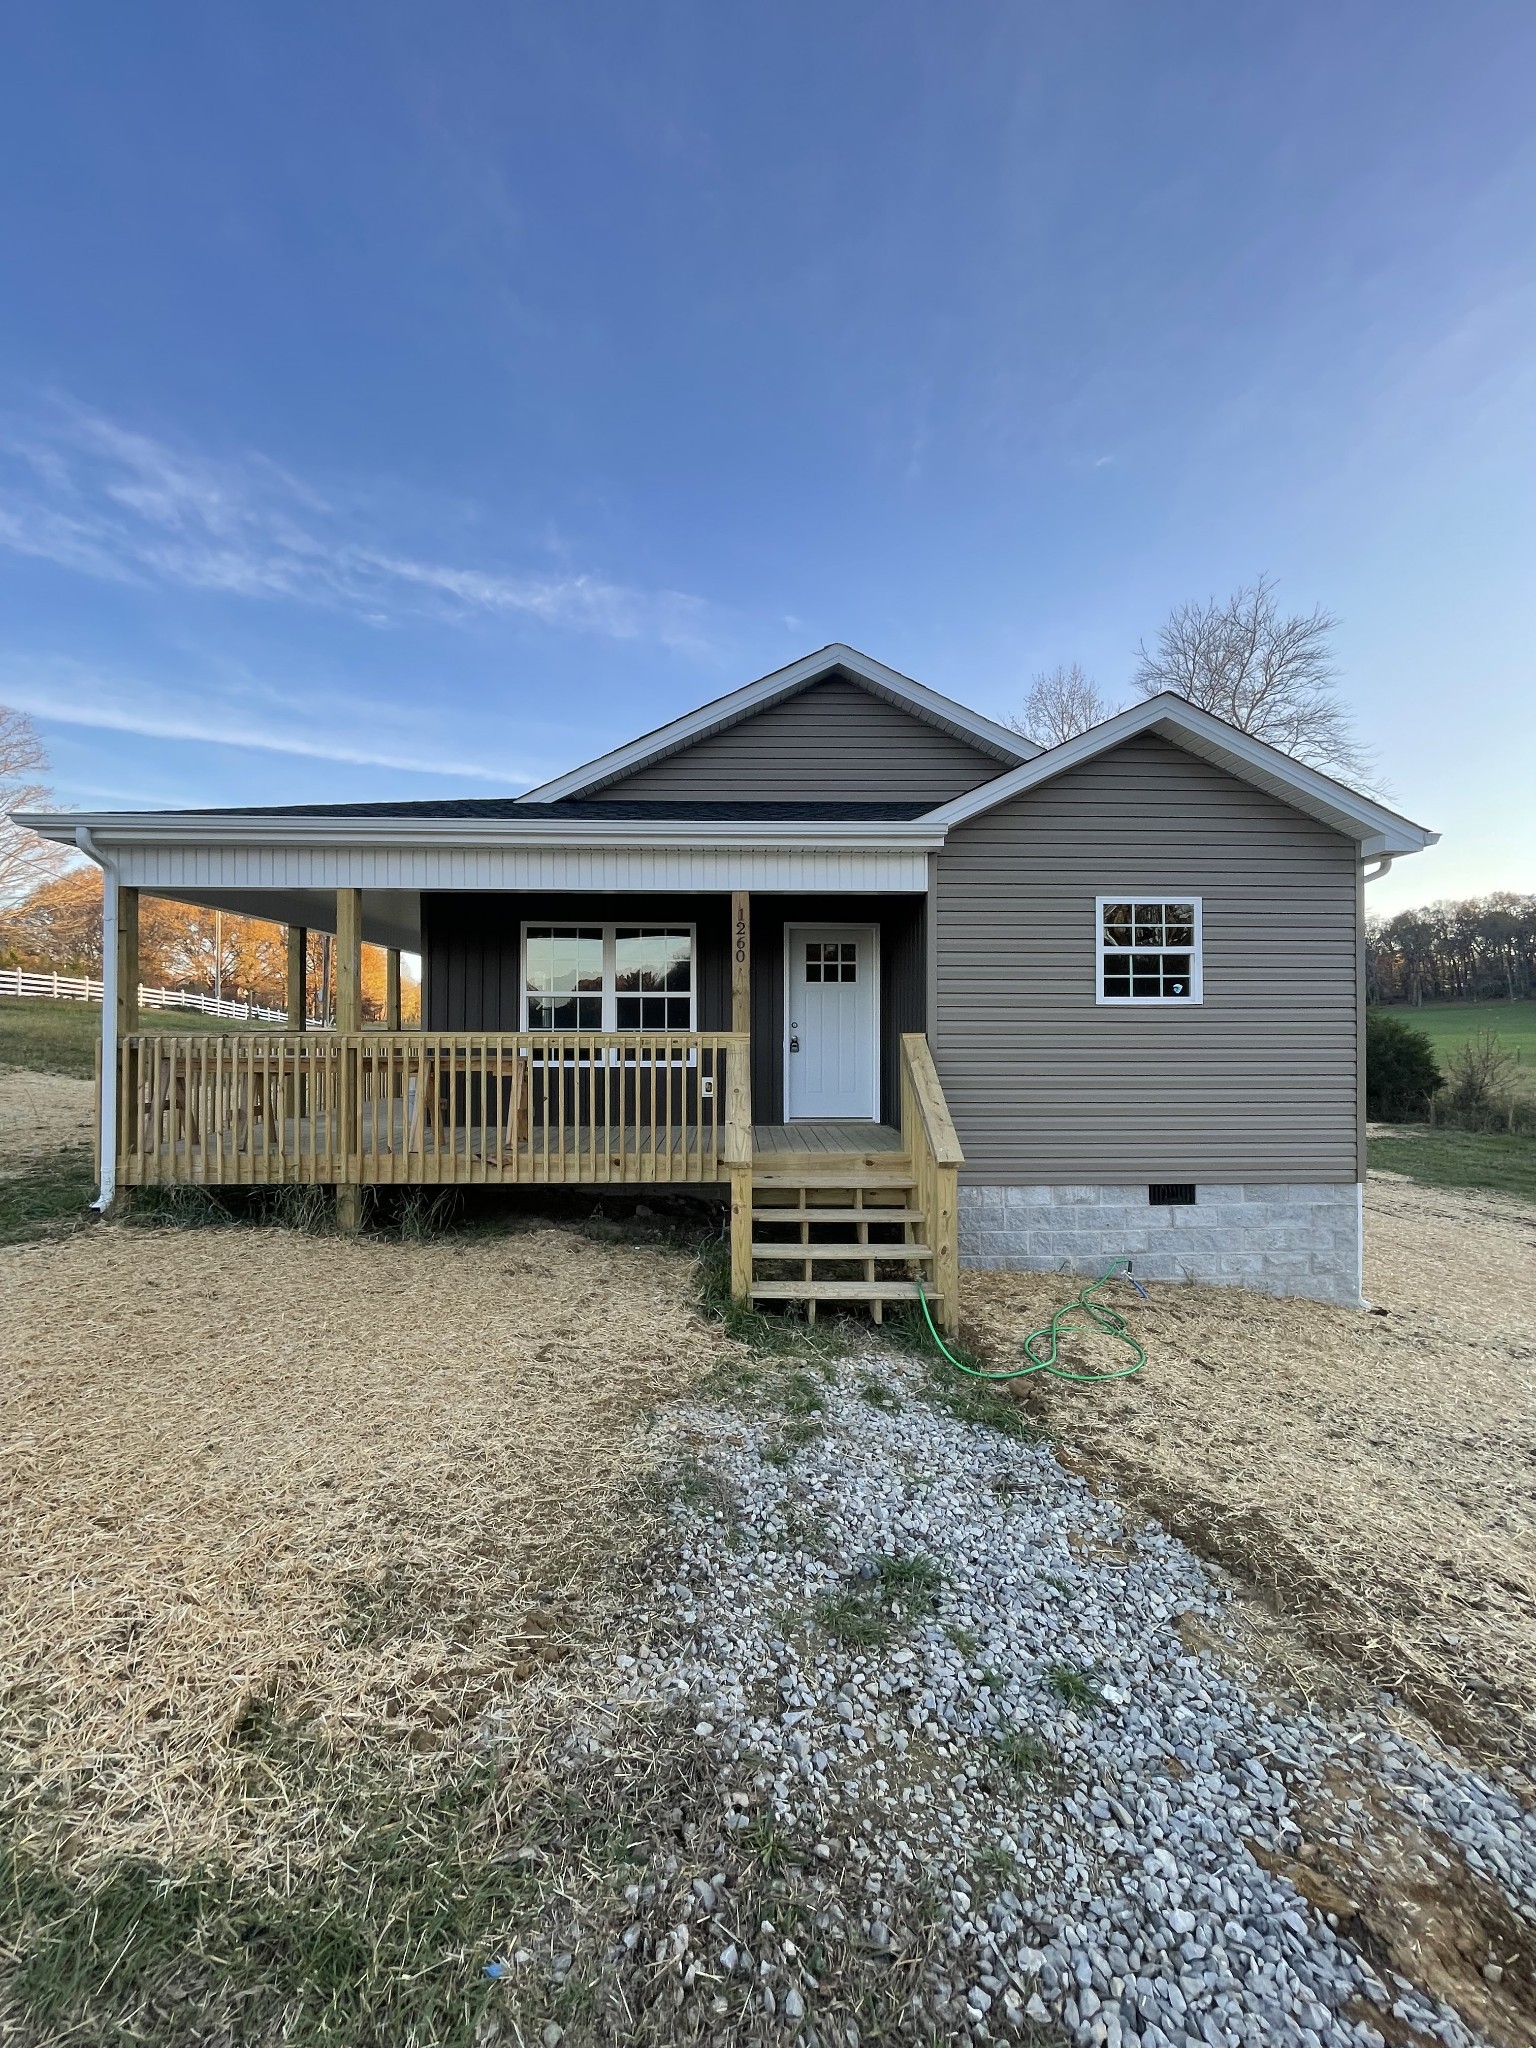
818,1139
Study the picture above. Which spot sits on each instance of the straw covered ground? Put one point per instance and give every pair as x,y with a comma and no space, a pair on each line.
255,1480
310,1548
1372,1474
42,1115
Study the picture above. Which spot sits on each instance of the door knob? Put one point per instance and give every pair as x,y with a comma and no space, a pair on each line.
794,1045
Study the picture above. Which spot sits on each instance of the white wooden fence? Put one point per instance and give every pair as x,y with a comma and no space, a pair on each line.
79,988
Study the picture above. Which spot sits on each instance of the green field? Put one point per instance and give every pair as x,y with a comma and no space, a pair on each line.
1448,1025
1499,1164
61,1038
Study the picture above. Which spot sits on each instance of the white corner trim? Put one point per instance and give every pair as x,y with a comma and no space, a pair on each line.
729,710
1378,830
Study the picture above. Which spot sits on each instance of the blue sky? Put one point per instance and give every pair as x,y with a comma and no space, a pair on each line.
404,400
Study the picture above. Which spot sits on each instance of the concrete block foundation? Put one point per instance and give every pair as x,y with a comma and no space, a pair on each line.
1280,1237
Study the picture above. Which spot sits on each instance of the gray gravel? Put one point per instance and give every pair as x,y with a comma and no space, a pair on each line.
1093,1878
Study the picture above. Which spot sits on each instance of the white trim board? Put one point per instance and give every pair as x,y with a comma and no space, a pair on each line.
928,705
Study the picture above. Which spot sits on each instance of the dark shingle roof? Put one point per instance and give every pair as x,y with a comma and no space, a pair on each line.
492,808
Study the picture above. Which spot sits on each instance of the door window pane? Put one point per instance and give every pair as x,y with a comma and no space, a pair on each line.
831,959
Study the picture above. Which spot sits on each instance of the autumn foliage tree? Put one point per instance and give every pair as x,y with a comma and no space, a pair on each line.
56,929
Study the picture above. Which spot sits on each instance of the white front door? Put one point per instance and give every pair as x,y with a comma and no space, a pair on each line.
832,985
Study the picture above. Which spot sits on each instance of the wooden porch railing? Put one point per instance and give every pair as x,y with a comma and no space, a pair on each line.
454,1108
929,1140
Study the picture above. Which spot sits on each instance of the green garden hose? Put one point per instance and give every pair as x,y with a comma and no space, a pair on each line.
1042,1347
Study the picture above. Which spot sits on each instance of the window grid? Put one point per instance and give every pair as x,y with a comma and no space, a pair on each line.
1149,949
831,960
627,977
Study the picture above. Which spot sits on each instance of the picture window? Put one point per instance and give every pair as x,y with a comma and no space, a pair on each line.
608,978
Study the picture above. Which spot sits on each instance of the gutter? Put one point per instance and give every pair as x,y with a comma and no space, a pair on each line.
123,828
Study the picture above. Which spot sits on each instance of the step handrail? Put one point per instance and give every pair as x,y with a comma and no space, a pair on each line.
933,1146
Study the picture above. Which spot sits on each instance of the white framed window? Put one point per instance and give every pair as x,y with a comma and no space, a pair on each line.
608,977
1148,948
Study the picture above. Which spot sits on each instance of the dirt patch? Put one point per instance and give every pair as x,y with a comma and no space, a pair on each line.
1412,1906
1370,1474
259,1484
42,1115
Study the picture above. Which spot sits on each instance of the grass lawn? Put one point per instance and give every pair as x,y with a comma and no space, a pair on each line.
48,1193
49,1037
1504,1165
1448,1025
61,1038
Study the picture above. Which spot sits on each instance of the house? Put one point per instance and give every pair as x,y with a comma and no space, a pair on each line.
920,994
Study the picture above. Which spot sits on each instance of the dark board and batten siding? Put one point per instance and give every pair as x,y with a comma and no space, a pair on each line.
833,742
903,986
470,956
1257,1083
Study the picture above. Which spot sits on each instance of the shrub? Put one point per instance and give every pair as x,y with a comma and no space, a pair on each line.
1400,1070
1480,1084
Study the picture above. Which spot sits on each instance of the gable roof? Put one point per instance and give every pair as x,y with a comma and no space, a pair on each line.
837,660
1378,830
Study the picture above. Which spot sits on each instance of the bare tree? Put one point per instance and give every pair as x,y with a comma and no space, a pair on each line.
1060,706
25,860
1268,675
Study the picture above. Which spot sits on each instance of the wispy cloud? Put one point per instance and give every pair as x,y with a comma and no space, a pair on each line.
103,500
243,714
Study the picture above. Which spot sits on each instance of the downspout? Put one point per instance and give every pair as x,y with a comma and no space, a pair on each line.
108,1133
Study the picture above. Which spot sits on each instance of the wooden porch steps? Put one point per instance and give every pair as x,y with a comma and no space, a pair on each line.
838,1248
873,1294
836,1179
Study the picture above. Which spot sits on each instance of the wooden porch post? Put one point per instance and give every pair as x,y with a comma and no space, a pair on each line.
738,1128
127,962
298,955
392,989
349,1021
741,960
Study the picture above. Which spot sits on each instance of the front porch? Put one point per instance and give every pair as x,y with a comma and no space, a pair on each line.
821,1212
824,1208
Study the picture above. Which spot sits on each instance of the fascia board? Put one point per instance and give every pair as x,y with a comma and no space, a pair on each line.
730,710
118,828
1307,789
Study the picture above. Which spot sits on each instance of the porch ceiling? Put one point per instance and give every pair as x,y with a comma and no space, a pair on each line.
391,917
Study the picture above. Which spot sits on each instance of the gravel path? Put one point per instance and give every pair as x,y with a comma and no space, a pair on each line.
971,1694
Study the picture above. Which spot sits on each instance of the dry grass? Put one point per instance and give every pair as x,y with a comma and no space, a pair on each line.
260,1485
1371,1473
42,1115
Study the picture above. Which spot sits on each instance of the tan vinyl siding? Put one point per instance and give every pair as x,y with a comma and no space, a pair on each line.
1047,1087
831,743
